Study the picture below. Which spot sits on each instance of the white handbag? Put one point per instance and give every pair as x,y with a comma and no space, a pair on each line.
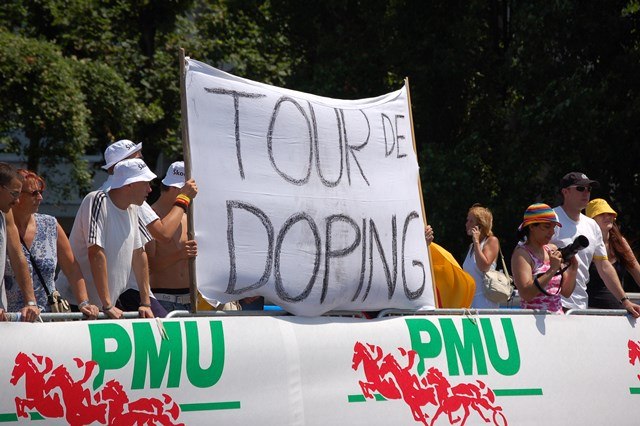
497,285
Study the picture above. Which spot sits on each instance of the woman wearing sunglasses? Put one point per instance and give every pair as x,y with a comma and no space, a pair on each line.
44,244
536,265
619,254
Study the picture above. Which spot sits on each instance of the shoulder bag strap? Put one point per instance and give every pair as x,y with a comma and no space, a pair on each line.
34,265
504,265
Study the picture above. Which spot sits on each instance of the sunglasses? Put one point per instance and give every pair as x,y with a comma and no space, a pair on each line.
14,194
34,193
581,188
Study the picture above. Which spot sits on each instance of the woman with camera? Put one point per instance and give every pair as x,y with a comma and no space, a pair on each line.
619,254
483,252
537,266
44,244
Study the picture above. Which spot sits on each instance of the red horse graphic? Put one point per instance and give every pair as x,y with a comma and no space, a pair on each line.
392,381
36,398
54,394
386,376
634,353
144,411
463,396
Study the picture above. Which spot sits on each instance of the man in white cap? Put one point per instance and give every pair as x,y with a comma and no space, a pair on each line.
168,261
152,227
161,230
106,240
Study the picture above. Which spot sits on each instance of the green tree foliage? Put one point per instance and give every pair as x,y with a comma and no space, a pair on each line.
43,102
507,96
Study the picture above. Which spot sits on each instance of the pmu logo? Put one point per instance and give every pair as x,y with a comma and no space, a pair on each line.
55,391
428,392
164,363
467,350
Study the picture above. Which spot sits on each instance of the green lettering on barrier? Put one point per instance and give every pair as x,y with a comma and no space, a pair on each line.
204,377
511,364
114,360
430,349
147,353
466,349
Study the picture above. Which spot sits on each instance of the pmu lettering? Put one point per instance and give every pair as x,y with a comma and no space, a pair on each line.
465,349
307,119
165,361
365,237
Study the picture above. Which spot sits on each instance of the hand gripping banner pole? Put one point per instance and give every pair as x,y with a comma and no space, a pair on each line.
186,150
424,214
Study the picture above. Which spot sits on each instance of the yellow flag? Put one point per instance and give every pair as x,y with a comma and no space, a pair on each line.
454,287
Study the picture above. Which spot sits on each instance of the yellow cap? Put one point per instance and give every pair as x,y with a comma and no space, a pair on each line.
599,206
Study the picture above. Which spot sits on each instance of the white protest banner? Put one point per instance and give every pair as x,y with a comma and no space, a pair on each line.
309,201
418,370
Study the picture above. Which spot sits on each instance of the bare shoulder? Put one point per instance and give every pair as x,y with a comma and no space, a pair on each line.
493,241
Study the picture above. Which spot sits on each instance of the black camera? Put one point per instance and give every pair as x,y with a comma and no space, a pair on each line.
569,251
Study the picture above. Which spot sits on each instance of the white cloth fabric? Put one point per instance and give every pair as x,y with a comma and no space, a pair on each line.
107,184
175,175
146,215
100,222
480,301
3,259
565,236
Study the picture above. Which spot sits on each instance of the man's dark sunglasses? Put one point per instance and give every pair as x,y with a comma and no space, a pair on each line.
581,188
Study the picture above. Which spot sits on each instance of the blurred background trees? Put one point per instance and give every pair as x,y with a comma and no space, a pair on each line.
507,96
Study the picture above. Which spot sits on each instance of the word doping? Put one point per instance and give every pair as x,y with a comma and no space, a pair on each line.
331,252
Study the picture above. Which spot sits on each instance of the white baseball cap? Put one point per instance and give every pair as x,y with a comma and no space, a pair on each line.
118,151
175,175
130,171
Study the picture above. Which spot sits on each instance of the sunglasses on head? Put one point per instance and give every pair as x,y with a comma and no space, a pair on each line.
582,188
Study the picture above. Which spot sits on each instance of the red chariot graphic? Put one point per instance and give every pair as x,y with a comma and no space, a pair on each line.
385,375
54,393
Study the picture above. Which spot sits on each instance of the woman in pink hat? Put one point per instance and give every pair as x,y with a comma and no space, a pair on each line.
536,265
619,254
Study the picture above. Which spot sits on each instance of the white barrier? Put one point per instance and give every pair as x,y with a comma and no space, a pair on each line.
520,369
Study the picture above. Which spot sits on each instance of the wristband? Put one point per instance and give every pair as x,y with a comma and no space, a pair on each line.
107,308
83,304
181,205
31,303
145,305
623,299
184,198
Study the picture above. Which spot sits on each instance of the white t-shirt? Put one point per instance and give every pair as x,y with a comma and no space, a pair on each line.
100,222
146,215
596,249
3,259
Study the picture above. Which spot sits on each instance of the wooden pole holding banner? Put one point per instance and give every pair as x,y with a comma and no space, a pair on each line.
186,150
424,214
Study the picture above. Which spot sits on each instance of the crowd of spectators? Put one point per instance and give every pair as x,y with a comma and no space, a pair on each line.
125,255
